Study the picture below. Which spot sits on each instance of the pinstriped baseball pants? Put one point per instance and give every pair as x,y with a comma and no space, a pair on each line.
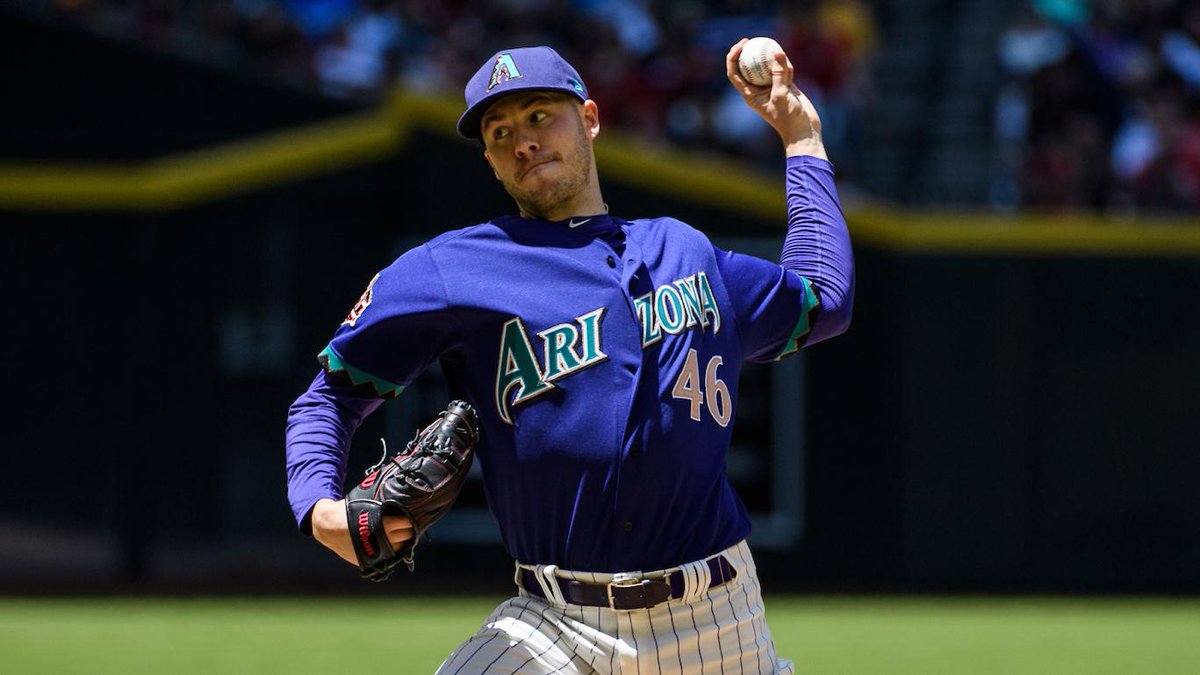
719,631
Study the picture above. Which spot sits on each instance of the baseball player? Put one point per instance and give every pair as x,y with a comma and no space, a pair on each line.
602,354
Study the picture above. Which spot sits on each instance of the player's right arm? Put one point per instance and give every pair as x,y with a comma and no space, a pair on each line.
320,425
400,325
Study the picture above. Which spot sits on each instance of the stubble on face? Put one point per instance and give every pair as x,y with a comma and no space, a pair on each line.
540,200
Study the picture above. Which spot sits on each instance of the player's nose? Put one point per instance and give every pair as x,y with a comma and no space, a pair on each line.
526,144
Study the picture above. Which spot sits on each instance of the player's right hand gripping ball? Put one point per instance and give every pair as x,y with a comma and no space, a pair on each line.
420,483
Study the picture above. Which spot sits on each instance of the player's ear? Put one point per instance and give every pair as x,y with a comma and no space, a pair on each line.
591,119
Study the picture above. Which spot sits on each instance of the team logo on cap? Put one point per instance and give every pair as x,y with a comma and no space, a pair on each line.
504,70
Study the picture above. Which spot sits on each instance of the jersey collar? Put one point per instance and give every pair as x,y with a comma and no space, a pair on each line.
601,225
587,225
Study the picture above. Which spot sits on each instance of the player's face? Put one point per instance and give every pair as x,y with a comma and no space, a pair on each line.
540,146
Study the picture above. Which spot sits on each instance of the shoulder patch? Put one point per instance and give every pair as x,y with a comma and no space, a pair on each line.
361,305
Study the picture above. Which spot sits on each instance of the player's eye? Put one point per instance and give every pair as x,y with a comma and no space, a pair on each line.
499,133
537,116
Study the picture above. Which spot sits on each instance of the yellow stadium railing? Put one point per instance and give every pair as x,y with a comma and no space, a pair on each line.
191,178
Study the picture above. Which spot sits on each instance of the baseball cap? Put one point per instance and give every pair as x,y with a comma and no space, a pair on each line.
513,70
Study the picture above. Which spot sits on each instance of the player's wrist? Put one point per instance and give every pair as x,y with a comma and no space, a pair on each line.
811,146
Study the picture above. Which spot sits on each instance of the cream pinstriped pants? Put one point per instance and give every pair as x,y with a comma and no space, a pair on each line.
721,630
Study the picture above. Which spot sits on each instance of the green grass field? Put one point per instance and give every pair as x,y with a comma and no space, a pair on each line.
964,636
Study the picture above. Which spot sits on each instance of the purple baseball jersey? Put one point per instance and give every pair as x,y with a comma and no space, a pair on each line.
603,356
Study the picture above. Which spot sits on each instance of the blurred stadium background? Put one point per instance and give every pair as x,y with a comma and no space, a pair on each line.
196,192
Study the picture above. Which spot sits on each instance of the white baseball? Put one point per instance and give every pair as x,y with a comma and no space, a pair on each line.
755,61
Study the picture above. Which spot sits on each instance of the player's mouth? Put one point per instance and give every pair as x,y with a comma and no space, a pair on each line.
535,166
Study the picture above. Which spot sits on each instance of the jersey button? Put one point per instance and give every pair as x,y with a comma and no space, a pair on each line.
628,527
611,261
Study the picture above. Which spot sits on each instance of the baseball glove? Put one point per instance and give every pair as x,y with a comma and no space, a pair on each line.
420,483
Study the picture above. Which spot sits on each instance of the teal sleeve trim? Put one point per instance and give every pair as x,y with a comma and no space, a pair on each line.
332,363
804,326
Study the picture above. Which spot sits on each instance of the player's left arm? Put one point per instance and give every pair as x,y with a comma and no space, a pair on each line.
817,245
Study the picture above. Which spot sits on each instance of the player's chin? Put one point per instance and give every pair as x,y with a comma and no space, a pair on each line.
537,201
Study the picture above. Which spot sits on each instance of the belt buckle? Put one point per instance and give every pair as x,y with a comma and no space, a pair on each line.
623,580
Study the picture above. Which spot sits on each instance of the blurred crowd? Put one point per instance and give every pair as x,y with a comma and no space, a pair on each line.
1100,106
655,66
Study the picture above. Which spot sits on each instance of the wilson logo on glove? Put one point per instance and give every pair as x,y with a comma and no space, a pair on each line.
420,483
364,532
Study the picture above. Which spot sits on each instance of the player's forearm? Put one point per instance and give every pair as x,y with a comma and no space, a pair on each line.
817,245
320,424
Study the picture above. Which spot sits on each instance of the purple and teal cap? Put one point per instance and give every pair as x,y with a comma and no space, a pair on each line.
513,70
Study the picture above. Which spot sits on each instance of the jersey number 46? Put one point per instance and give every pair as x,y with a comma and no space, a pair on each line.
715,392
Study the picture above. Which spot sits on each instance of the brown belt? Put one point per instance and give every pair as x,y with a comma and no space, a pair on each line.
628,594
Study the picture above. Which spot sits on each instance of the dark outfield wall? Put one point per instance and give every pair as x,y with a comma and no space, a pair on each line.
1024,422
1000,422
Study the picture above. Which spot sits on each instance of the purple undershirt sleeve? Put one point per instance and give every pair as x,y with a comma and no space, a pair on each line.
320,424
817,245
